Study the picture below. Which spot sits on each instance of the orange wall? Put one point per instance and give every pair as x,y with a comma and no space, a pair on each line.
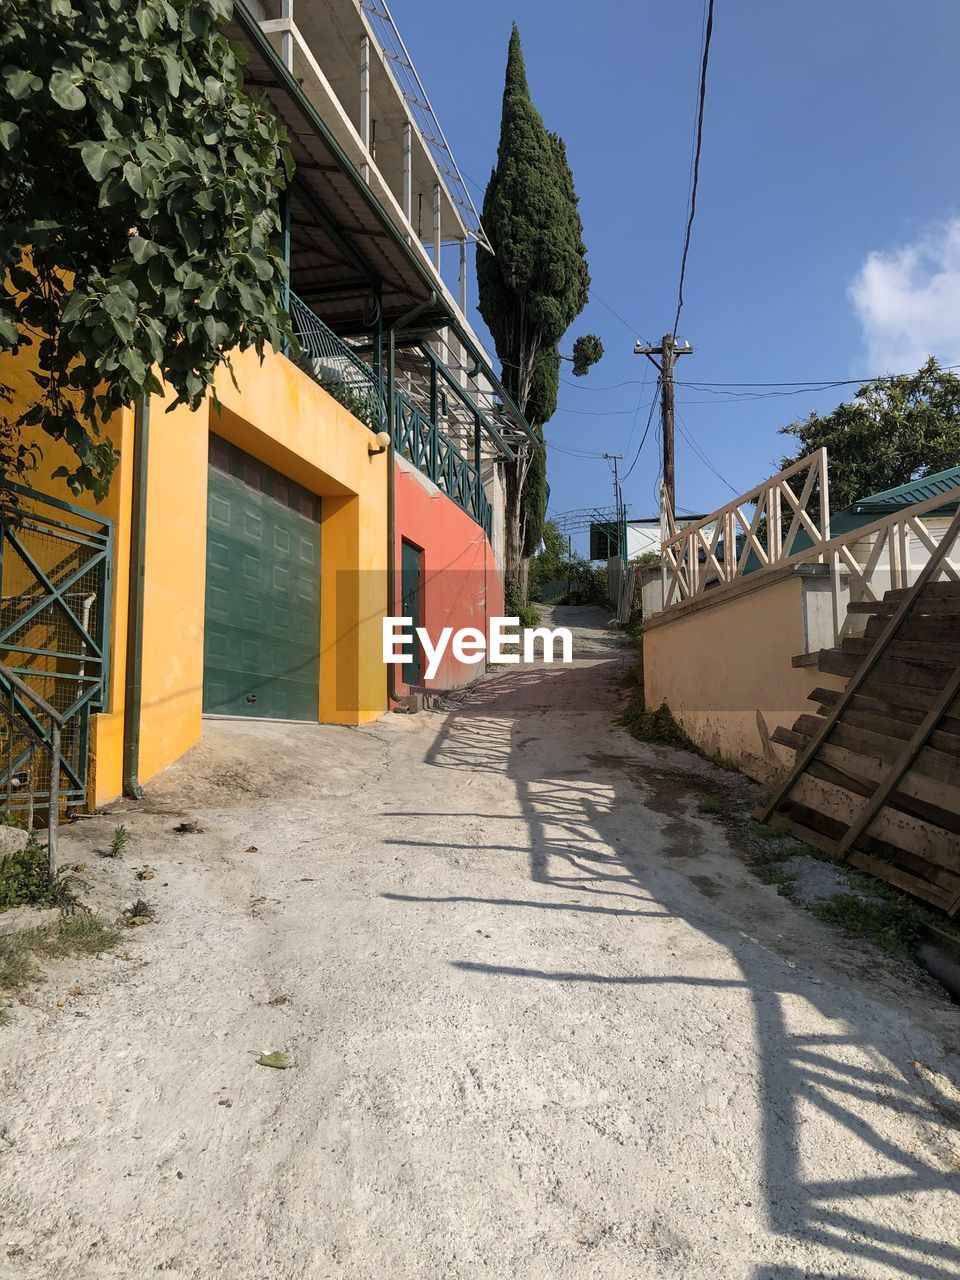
461,584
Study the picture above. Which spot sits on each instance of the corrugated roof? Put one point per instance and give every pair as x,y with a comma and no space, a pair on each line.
906,495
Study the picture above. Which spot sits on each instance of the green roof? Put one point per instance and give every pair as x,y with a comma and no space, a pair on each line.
904,495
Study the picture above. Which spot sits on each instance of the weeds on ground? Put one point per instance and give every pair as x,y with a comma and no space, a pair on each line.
766,860
138,913
896,927
24,881
83,933
879,912
717,803
659,727
121,837
779,825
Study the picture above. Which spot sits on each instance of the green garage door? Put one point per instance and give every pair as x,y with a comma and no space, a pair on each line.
262,623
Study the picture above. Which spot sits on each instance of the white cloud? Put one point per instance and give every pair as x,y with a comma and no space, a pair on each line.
908,301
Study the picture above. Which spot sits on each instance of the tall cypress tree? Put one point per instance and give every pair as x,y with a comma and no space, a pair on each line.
531,289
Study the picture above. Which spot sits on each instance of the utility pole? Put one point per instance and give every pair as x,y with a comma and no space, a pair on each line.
668,351
616,458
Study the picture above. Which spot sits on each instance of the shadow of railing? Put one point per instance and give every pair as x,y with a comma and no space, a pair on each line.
854,1085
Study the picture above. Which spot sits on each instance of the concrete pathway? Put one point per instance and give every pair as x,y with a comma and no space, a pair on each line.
543,1025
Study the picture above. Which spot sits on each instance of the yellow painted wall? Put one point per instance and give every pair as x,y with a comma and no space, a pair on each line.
718,666
280,416
107,728
174,583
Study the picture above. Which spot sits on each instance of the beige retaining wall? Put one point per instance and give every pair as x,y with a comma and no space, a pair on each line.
717,664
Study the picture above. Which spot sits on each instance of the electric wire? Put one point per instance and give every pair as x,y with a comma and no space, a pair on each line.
636,456
705,61
688,436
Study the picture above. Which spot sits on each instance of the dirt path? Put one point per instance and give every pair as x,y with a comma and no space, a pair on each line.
543,1025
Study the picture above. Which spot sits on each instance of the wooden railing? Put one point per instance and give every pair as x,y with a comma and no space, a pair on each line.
790,525
724,546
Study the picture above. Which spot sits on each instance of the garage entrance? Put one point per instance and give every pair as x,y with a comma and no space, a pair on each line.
262,617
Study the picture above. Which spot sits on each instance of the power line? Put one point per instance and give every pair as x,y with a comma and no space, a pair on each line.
594,297
574,453
601,413
688,436
696,162
653,405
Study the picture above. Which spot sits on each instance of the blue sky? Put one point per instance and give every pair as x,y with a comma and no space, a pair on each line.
827,241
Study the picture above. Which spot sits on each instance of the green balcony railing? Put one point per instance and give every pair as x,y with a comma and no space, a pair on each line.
421,442
336,366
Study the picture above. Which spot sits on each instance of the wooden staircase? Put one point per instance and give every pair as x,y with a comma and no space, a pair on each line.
876,780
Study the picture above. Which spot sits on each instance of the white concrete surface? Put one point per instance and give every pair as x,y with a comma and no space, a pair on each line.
542,1023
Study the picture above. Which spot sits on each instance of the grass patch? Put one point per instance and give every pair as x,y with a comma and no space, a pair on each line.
82,933
768,865
716,803
87,932
895,924
777,826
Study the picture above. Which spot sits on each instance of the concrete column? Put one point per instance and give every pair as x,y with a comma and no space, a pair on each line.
408,172
286,39
436,225
463,276
365,100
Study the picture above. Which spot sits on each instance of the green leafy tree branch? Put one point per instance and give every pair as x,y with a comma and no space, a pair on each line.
139,190
896,429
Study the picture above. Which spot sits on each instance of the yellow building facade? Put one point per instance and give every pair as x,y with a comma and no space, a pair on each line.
281,418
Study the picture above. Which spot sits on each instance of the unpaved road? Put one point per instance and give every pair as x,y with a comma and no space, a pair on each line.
542,1023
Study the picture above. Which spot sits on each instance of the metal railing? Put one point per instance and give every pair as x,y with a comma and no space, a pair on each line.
339,370
55,607
421,442
336,366
32,757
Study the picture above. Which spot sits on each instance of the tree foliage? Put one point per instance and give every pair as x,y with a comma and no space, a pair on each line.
587,351
895,430
139,194
533,286
550,561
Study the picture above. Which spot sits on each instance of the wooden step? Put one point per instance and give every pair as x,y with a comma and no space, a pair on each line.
918,673
937,628
947,653
933,779
904,708
946,589
902,830
887,747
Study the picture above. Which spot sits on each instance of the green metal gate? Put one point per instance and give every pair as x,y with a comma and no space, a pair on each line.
262,623
55,587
